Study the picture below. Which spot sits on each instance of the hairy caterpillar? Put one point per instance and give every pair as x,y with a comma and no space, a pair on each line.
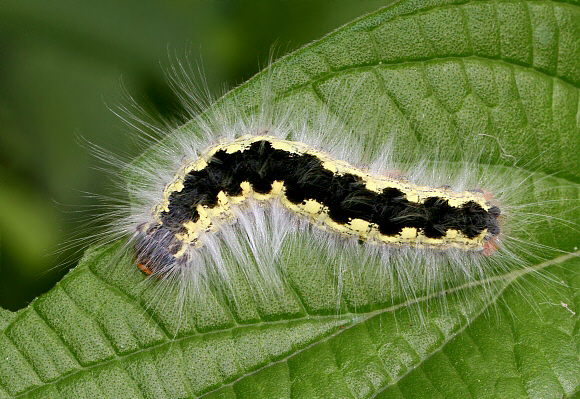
206,204
333,195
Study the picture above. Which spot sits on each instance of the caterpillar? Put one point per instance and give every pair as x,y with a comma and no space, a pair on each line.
333,195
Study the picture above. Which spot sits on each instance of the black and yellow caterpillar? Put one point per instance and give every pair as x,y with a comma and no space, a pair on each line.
333,194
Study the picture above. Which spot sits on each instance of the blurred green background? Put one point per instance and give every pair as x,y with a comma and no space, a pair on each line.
62,64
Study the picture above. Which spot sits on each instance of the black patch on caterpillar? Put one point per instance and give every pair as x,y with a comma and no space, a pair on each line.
345,195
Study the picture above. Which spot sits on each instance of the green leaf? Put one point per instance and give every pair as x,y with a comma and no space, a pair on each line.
428,70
